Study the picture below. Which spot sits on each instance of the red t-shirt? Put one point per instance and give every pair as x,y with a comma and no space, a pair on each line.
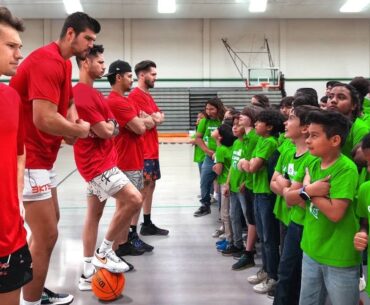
146,103
44,75
12,232
129,144
93,155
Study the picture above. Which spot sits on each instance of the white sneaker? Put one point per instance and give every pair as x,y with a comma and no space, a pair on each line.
110,261
362,284
257,278
265,286
84,284
218,233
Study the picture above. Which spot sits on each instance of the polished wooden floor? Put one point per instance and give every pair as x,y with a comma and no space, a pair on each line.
184,268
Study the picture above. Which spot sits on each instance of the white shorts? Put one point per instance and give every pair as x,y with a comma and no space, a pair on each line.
107,184
38,184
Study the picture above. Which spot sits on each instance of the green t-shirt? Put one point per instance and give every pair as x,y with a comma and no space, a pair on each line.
327,242
366,105
249,144
236,176
288,165
366,119
356,133
284,143
223,156
363,211
205,127
199,154
264,150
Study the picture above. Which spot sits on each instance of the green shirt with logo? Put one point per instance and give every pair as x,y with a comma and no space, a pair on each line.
237,177
205,127
358,130
249,144
223,156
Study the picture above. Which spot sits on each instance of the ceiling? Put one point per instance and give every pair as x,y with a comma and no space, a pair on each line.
102,9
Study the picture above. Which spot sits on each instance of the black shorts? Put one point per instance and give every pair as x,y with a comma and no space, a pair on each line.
15,270
250,206
151,170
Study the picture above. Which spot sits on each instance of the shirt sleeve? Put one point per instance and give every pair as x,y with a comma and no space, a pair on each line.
123,112
91,112
279,165
220,155
340,186
363,200
202,126
266,150
20,135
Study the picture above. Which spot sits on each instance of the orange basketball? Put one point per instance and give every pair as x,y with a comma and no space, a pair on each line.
107,286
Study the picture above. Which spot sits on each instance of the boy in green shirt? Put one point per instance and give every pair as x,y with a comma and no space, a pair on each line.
330,263
363,206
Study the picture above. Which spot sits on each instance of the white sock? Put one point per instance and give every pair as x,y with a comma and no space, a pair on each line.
88,267
24,302
105,246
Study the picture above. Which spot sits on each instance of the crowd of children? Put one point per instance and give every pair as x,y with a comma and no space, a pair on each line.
296,178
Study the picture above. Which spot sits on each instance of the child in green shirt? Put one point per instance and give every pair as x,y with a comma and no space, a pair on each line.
330,263
199,154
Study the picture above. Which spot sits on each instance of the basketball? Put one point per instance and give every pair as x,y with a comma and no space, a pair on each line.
107,286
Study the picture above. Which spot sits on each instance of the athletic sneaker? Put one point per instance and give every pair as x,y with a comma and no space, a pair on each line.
245,261
152,229
362,283
84,283
223,246
231,249
130,266
202,211
220,242
265,286
217,233
139,244
128,249
110,261
271,293
48,297
257,278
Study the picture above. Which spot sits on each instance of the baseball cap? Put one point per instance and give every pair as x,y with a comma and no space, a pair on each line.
118,66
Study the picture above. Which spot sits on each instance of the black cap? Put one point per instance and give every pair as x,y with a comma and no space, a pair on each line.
118,66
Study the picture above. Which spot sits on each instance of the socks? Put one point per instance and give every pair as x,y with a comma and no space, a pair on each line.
24,302
105,246
88,267
147,220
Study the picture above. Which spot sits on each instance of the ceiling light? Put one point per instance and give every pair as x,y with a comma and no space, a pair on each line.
166,6
72,6
354,6
257,6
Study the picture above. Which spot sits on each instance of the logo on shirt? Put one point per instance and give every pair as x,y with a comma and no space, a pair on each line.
236,157
368,208
314,211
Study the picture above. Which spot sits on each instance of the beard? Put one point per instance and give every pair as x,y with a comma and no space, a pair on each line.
149,84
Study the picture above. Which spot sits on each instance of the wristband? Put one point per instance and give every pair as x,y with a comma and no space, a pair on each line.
303,194
116,126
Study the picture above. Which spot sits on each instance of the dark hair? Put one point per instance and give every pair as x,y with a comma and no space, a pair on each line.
144,65
365,144
310,93
94,51
251,112
332,122
263,100
303,99
230,108
216,102
226,132
362,86
302,112
274,119
79,22
287,101
331,83
7,18
354,98
324,99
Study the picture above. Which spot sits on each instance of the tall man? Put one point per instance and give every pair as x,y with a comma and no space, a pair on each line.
43,81
129,143
15,258
96,159
146,73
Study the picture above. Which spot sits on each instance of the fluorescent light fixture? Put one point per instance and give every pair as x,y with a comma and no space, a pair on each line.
72,6
257,6
166,6
354,6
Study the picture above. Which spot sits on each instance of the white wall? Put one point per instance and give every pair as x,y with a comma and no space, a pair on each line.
192,48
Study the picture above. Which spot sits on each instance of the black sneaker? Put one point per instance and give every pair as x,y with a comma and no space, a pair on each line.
130,266
202,211
128,249
139,244
230,250
48,297
152,229
245,261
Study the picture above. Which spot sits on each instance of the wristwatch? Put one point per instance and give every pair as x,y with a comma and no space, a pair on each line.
116,126
303,194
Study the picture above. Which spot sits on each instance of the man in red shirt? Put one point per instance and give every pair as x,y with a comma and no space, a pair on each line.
96,160
15,258
129,144
146,73
43,82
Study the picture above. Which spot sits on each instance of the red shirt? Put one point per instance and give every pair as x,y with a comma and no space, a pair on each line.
12,232
93,155
45,75
129,144
146,103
